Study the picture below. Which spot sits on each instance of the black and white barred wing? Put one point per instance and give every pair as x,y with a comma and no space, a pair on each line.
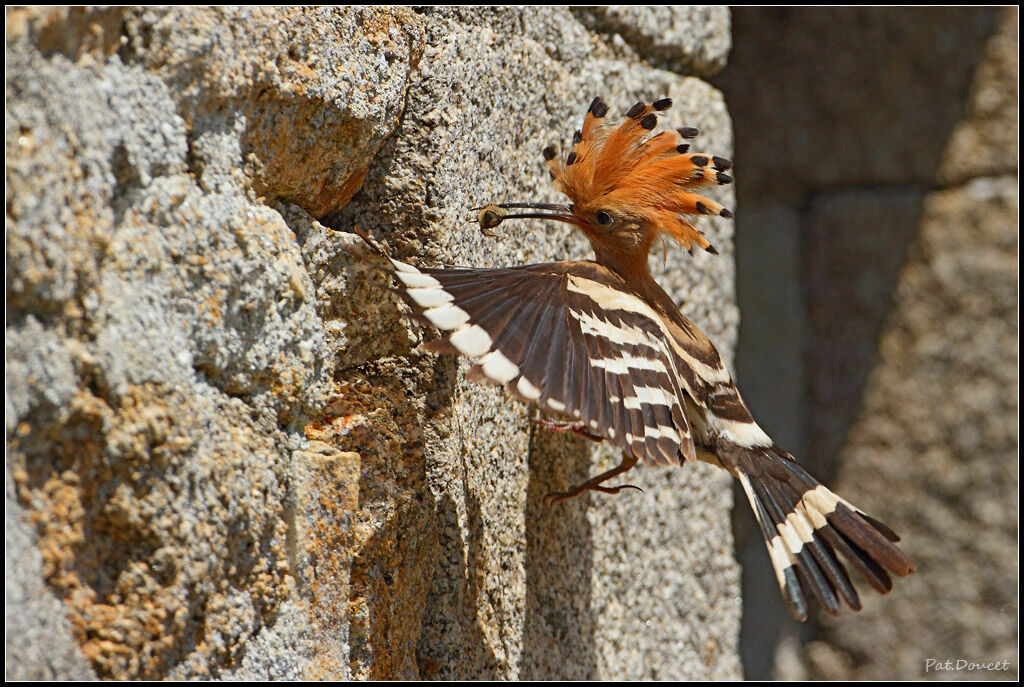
562,335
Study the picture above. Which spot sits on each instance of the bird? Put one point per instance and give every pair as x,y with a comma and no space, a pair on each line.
600,343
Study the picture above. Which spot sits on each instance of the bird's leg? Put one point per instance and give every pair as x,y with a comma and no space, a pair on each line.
628,461
574,427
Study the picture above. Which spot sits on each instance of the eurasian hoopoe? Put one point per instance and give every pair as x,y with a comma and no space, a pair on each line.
601,342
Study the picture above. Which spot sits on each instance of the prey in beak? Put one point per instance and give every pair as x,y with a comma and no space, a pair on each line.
490,216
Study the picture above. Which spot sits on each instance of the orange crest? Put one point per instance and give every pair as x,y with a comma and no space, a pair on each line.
629,169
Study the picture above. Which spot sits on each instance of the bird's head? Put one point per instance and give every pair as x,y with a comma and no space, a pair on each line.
627,185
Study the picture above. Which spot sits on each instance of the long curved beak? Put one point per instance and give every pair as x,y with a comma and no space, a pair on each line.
491,216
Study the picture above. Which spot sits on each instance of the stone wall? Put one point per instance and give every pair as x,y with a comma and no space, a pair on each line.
877,250
226,455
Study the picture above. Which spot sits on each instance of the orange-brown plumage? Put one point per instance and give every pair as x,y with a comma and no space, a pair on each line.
644,180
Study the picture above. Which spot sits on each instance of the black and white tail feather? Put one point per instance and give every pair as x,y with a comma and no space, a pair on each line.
573,338
807,527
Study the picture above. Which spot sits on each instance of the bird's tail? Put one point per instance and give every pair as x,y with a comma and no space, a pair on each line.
807,528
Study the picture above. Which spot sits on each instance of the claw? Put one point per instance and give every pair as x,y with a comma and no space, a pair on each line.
616,490
594,484
556,496
574,427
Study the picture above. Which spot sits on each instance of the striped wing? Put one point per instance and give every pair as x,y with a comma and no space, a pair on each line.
564,335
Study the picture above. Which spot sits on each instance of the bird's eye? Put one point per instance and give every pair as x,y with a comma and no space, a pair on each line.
603,218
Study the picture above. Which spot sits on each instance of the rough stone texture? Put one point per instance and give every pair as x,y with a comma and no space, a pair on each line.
682,38
876,251
39,643
232,458
557,576
161,349
985,142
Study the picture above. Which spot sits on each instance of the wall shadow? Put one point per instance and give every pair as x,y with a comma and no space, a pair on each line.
560,625
841,117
